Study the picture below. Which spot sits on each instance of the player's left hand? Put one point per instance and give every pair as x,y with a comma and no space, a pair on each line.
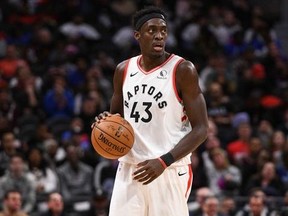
148,171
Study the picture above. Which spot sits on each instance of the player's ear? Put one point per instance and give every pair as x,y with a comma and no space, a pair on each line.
136,35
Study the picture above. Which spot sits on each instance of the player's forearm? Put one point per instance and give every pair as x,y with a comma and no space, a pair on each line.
190,142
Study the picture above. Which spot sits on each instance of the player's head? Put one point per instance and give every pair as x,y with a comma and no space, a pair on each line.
150,30
142,16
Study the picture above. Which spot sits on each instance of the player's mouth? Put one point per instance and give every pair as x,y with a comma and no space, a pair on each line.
158,47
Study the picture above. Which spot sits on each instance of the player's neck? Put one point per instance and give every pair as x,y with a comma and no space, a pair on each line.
147,63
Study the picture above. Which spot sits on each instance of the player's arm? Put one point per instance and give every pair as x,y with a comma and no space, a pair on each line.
187,83
116,104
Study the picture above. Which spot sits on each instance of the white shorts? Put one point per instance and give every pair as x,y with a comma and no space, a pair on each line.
167,195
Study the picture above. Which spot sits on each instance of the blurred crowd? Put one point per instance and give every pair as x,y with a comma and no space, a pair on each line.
57,60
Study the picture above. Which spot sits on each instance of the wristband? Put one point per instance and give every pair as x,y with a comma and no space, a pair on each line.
168,159
162,162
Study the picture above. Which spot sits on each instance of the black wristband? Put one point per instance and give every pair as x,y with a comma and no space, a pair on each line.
168,159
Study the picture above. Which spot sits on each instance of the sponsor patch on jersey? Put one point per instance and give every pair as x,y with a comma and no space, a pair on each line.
162,74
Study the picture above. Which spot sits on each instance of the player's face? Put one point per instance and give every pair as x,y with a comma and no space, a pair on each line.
152,37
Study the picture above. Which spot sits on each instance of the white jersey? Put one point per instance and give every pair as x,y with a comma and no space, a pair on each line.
154,109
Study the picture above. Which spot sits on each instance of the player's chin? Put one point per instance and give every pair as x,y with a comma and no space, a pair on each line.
157,54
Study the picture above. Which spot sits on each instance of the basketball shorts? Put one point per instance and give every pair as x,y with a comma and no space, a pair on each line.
167,195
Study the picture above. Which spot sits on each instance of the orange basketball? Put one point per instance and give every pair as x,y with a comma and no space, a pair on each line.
113,137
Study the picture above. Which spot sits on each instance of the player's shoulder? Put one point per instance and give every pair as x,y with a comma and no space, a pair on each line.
124,64
186,67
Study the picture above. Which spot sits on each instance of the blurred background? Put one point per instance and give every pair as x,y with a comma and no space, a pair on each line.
57,59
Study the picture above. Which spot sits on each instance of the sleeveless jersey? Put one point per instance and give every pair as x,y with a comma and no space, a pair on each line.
154,109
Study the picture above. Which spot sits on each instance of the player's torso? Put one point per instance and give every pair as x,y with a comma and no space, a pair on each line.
152,106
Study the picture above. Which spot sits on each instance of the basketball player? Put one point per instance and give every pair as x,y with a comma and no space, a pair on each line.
158,93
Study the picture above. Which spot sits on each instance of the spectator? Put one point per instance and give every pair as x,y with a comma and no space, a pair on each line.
76,179
199,174
59,100
77,28
195,207
7,110
277,147
211,207
104,175
228,206
54,154
8,149
55,206
45,179
266,179
239,148
26,90
223,178
18,178
264,131
99,204
282,170
256,205
220,110
12,204
252,162
10,62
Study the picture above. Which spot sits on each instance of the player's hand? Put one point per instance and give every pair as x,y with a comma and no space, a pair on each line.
101,116
148,171
98,118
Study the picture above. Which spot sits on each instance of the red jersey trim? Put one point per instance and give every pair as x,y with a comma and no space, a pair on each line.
154,69
190,180
125,71
174,80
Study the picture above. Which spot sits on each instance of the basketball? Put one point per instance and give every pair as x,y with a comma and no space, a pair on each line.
112,137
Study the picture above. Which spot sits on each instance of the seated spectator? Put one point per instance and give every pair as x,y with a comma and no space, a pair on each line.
55,206
18,178
223,177
251,162
256,205
266,179
195,207
11,62
54,154
12,204
76,180
45,179
228,206
277,146
100,204
8,148
7,108
104,175
210,207
59,100
77,28
239,148
199,174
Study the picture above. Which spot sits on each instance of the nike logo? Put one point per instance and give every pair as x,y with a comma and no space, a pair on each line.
181,174
133,74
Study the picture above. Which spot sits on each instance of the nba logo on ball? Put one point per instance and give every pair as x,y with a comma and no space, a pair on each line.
113,137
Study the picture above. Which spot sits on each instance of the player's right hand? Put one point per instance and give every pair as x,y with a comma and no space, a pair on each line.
101,116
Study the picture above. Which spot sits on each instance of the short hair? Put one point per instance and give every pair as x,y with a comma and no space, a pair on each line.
8,192
136,19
